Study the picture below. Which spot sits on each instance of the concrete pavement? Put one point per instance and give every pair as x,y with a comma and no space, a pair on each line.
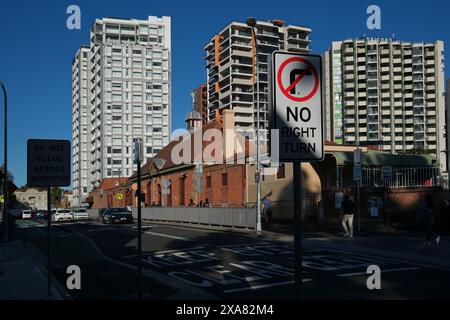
21,276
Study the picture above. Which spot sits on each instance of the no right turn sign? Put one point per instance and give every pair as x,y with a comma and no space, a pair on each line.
297,106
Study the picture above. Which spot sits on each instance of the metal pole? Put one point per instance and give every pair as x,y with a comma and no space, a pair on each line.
297,228
49,223
139,229
258,169
5,167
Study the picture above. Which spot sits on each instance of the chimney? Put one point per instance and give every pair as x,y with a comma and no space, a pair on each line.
229,135
193,121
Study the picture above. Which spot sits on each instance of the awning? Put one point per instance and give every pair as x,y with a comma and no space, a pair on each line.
380,158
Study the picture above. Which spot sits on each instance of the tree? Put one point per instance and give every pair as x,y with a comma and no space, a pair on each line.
10,175
56,196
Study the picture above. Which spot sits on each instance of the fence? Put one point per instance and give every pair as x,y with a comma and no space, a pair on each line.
239,218
372,178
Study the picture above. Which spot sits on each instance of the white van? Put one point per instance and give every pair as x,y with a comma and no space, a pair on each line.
26,214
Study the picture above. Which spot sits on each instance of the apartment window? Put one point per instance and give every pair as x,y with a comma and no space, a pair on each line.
116,150
208,182
224,179
149,150
137,108
117,161
281,172
117,118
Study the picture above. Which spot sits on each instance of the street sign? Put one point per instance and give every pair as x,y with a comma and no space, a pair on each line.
165,186
386,173
138,150
296,109
119,196
357,174
48,163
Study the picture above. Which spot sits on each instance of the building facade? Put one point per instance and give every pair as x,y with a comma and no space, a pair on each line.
32,198
129,96
80,124
386,93
232,57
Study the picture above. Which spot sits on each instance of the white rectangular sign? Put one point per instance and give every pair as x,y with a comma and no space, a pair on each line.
386,172
296,89
48,163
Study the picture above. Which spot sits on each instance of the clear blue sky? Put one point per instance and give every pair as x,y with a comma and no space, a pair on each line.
36,48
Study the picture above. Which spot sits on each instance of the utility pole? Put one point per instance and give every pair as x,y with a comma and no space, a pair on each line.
5,166
138,154
251,22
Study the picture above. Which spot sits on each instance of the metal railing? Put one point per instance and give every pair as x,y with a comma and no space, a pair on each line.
243,218
372,178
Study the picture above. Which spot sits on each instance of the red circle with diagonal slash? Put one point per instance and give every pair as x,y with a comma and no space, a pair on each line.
286,92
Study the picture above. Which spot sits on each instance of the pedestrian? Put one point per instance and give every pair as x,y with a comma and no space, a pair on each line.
153,204
347,212
267,208
191,203
200,204
425,219
206,204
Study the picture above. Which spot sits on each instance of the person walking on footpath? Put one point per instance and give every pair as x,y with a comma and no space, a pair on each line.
347,212
425,219
267,208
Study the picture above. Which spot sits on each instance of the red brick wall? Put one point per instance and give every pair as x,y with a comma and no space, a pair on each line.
232,194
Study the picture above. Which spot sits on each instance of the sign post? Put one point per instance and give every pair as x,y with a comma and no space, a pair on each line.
296,112
48,165
138,155
357,176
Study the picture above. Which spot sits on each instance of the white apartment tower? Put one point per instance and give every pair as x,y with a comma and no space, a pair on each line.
231,60
80,123
129,95
386,93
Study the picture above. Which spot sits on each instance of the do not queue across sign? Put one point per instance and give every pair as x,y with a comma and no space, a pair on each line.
48,163
296,109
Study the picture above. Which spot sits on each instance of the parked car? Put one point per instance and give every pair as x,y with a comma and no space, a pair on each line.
26,214
62,215
80,214
119,215
41,215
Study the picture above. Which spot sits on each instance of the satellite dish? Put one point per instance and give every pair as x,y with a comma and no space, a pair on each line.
159,163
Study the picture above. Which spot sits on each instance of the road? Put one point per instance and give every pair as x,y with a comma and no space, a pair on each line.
188,263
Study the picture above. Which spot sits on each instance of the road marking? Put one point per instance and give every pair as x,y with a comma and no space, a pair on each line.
244,244
166,236
265,286
162,252
382,271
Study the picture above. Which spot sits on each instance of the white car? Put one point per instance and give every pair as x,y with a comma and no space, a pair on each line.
62,215
80,214
26,214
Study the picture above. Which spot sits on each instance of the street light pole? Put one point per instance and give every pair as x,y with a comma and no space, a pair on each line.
5,167
251,22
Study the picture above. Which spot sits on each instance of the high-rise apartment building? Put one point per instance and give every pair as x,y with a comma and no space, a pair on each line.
129,96
200,102
386,93
80,123
232,57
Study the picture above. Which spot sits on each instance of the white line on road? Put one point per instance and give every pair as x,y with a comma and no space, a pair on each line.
166,236
265,286
162,252
382,271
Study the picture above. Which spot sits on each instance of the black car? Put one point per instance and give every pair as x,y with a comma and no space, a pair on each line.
117,215
41,215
